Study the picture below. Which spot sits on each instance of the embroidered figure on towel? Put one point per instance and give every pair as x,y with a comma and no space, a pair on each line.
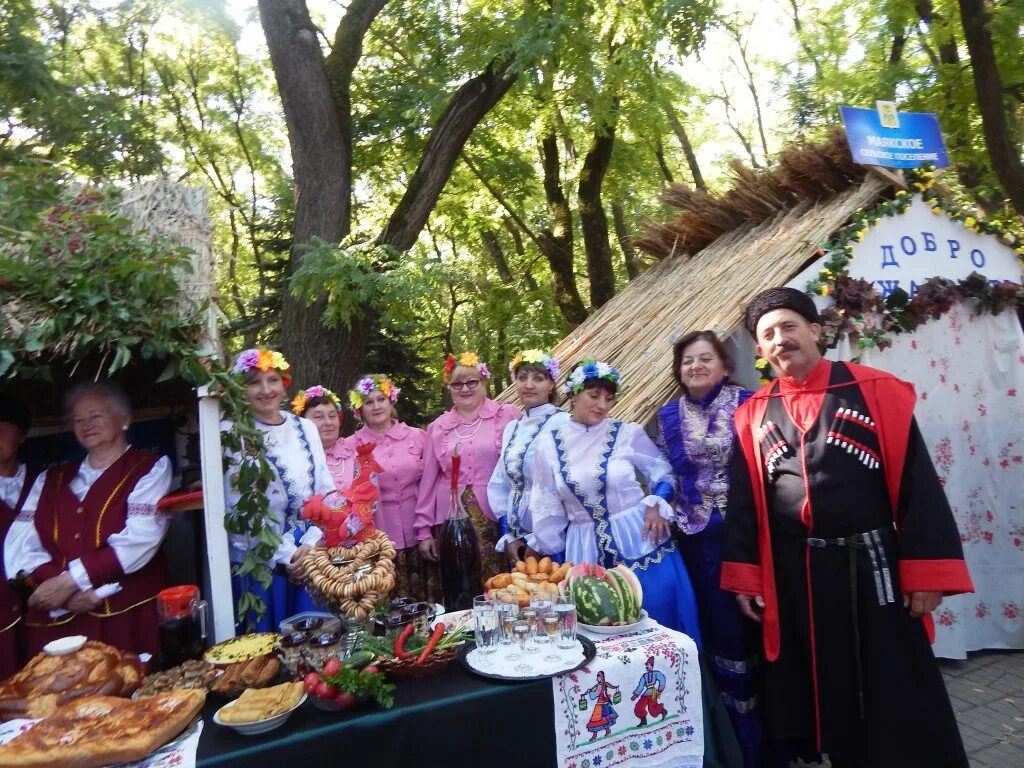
648,691
857,434
604,715
773,447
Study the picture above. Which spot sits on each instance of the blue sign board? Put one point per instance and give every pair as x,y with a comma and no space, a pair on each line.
917,140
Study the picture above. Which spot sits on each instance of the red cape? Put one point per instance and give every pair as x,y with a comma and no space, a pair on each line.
890,402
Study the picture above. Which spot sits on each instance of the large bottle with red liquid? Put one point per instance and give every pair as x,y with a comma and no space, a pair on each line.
459,551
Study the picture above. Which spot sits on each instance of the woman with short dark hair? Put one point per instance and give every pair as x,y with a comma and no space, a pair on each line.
696,433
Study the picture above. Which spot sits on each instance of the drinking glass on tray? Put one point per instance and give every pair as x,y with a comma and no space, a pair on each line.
565,610
485,624
529,615
507,604
522,630
541,603
550,626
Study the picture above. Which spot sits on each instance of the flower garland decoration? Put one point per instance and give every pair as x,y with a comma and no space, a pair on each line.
261,359
357,396
536,357
859,311
588,370
466,360
305,395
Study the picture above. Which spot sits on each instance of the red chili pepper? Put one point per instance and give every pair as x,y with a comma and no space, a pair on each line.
399,649
435,637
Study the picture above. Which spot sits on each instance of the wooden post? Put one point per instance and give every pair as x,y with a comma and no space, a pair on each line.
217,587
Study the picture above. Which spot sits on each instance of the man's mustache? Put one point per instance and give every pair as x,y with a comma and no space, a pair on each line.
786,346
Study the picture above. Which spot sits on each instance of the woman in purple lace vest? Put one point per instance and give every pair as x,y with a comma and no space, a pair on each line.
697,434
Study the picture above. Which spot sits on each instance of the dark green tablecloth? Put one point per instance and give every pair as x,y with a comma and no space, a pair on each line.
445,718
453,718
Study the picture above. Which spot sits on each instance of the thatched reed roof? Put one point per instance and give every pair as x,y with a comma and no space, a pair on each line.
180,213
775,232
801,175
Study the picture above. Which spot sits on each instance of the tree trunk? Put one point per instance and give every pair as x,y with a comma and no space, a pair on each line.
659,155
948,72
321,172
625,242
593,221
493,247
684,142
556,242
1002,150
467,107
339,66
517,244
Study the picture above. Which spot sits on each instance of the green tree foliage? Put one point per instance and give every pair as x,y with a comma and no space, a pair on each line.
912,52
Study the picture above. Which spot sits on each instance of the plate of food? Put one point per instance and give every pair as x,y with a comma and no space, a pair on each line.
104,730
193,673
259,710
242,648
615,629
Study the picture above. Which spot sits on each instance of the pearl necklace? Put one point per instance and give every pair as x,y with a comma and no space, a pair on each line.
468,436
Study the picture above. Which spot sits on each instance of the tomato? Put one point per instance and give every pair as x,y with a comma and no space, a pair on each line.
344,699
325,691
371,669
310,682
332,667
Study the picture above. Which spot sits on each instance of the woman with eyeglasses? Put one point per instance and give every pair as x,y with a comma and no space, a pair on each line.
474,427
587,501
696,433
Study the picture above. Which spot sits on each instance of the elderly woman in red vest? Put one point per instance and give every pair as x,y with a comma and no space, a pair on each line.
86,545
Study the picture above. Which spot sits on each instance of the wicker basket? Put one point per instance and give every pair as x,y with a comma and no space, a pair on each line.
396,669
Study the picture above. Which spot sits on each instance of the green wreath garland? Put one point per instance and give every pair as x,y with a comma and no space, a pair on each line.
859,311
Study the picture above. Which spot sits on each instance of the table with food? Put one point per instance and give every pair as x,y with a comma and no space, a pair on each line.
552,664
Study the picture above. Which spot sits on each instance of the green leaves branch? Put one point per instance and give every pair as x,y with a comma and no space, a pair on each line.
77,280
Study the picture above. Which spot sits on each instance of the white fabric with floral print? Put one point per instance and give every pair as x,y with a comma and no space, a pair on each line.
969,374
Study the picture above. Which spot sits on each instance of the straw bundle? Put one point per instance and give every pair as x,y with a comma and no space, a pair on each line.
802,174
178,212
636,329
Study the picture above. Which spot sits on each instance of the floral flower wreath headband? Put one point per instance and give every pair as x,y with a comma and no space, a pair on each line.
357,395
536,357
261,359
589,370
301,400
466,360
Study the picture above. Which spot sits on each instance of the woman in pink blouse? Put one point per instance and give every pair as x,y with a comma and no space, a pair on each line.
399,452
474,424
322,407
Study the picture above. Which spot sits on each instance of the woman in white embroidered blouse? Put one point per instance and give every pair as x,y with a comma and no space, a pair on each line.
86,545
586,499
534,373
297,458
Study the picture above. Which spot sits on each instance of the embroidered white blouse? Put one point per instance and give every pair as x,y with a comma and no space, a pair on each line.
585,489
134,545
512,480
297,458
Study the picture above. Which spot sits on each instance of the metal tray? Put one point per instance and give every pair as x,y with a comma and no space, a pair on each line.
589,652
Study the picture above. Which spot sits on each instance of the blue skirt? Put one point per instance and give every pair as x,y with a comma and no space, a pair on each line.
668,595
282,600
